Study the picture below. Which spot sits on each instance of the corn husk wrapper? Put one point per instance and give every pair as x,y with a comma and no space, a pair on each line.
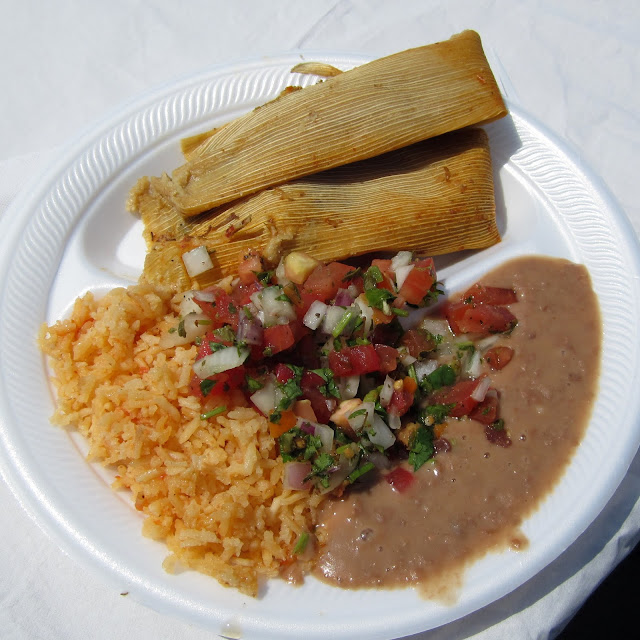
375,108
433,197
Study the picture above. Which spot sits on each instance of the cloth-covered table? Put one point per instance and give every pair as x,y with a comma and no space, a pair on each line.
573,65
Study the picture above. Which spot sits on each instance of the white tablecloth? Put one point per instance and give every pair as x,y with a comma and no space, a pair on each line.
573,65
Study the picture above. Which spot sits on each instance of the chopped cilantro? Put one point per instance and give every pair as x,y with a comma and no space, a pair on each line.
253,384
225,333
372,277
215,346
347,316
498,425
443,376
206,386
301,544
283,297
403,313
421,448
378,297
265,277
438,412
214,412
181,330
329,388
360,471
352,274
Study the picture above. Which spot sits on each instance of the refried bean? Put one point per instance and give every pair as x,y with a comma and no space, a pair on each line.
473,498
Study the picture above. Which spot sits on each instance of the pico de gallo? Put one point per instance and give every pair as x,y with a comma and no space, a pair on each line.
351,375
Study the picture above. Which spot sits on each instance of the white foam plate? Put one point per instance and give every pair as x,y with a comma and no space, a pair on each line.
69,232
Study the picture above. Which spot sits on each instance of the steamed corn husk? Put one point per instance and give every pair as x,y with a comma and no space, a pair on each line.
375,108
433,197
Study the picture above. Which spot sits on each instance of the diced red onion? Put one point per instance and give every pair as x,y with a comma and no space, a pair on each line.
481,390
294,475
307,427
343,298
249,329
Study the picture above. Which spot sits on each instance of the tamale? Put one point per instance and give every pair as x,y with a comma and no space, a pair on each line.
432,197
384,105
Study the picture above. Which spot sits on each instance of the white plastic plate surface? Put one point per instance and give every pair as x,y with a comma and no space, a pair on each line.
69,232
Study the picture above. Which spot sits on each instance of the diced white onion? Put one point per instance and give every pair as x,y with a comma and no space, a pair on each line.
274,311
379,433
265,399
315,315
332,316
401,259
402,273
205,296
188,304
325,433
349,386
425,367
280,274
436,326
386,392
345,467
359,421
219,361
394,421
197,261
407,359
487,343
481,390
367,313
474,364
194,324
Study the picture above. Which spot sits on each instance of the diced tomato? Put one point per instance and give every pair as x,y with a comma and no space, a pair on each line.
482,319
364,359
224,382
283,373
325,280
223,310
278,338
400,479
388,357
323,406
340,362
241,295
419,281
459,395
388,277
498,357
480,294
287,421
401,401
417,342
487,411
249,268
